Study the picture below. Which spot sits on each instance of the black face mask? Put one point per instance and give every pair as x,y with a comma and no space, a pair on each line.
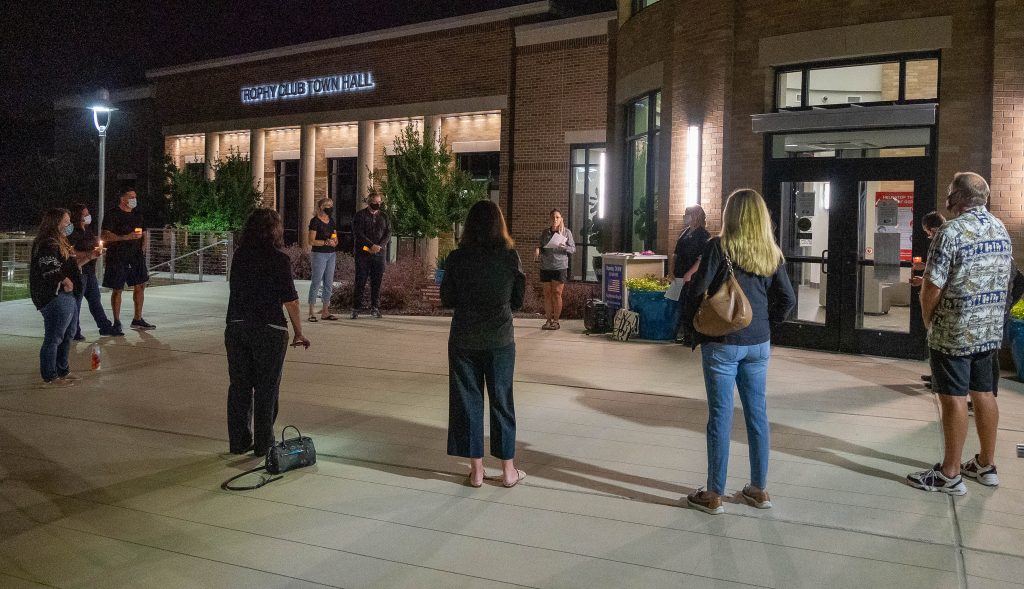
329,211
374,206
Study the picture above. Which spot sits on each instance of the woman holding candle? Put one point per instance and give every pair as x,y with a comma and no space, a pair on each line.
84,241
323,240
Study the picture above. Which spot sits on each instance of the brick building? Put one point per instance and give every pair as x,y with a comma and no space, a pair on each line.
850,116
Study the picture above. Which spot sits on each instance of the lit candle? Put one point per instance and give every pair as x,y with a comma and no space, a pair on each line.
917,259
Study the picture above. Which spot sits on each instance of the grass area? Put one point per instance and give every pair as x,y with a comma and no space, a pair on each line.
13,292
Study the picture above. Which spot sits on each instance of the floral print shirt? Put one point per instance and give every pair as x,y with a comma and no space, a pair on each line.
969,259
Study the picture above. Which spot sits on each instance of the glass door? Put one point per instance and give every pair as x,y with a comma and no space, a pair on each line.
848,208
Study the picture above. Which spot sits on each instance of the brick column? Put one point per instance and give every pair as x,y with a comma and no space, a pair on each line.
364,165
307,173
257,155
1008,120
212,153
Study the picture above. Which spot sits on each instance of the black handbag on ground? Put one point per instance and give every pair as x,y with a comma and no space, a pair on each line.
286,455
595,317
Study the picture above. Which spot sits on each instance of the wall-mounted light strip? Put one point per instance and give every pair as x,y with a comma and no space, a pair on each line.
692,195
600,185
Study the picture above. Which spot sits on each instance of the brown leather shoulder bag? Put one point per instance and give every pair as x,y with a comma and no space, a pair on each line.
726,311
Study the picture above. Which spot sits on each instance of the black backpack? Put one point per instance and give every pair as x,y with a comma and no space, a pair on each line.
595,317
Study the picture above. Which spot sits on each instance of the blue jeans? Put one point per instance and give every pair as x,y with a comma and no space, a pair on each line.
322,277
91,293
727,367
59,322
468,372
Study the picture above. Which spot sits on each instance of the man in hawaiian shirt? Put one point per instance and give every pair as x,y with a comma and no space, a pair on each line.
962,303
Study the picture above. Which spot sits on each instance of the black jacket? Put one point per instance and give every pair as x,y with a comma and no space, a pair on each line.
688,249
771,297
48,269
369,229
484,285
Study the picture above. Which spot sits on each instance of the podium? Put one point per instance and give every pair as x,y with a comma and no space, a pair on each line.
617,267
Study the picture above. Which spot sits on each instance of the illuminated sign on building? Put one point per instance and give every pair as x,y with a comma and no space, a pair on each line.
318,86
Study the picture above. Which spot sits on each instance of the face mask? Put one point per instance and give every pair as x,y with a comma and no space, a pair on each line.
133,202
329,211
69,229
374,206
87,220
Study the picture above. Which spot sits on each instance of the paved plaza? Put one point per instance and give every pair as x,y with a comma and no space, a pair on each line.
116,482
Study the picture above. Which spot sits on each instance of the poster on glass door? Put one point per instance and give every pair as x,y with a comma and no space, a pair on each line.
904,218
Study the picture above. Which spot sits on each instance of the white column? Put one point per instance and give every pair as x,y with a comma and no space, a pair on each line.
432,129
307,171
257,154
364,165
212,153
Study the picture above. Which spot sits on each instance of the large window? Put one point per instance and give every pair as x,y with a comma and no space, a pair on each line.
888,80
643,125
341,187
586,208
481,166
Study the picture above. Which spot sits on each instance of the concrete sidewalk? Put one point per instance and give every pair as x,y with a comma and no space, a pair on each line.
115,482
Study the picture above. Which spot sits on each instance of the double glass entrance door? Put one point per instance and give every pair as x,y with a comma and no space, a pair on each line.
850,231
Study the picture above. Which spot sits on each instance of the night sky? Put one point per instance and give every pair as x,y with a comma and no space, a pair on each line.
51,48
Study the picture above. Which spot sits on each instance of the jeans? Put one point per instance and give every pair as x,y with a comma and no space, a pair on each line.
468,371
59,320
322,277
368,266
727,367
255,361
91,293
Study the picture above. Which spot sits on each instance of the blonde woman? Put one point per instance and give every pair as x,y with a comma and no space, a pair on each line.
556,245
740,358
323,257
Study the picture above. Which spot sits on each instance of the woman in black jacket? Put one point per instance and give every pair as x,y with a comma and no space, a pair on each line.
740,358
55,281
84,241
484,282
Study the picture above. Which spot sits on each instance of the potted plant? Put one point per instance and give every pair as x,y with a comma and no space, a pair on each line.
659,316
1015,333
442,258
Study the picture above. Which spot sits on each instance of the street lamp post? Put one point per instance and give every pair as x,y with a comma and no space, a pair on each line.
101,114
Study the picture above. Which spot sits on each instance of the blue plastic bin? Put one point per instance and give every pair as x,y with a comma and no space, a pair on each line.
659,316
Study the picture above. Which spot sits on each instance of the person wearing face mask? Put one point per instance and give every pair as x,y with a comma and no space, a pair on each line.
323,241
55,281
125,263
84,241
371,231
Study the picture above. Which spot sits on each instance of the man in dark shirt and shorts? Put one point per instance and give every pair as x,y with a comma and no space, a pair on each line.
371,231
125,263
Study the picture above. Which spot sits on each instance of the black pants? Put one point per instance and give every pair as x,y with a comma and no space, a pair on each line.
255,359
368,266
468,372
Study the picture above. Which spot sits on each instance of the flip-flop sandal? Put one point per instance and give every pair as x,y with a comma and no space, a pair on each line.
312,319
470,483
521,475
329,318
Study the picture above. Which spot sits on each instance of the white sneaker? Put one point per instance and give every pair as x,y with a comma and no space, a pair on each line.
985,475
933,480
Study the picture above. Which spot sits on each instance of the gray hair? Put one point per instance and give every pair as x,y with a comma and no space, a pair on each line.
972,187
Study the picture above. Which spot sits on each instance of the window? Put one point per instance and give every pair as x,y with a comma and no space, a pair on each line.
289,199
341,187
643,125
586,208
886,80
196,169
639,5
481,166
866,143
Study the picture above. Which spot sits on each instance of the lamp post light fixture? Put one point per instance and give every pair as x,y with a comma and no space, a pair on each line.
101,115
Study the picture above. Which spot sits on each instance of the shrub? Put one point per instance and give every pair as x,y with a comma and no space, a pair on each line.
400,289
574,298
221,204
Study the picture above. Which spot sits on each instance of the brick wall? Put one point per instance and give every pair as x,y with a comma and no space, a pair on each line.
1008,120
560,87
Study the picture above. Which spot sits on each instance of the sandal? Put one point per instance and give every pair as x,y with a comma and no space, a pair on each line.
312,319
329,318
521,474
470,483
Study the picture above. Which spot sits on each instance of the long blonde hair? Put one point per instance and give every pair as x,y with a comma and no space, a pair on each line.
747,233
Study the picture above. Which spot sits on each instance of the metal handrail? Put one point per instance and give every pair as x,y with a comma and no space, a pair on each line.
191,253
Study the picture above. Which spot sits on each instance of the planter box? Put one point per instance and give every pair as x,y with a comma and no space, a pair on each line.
1015,331
659,316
